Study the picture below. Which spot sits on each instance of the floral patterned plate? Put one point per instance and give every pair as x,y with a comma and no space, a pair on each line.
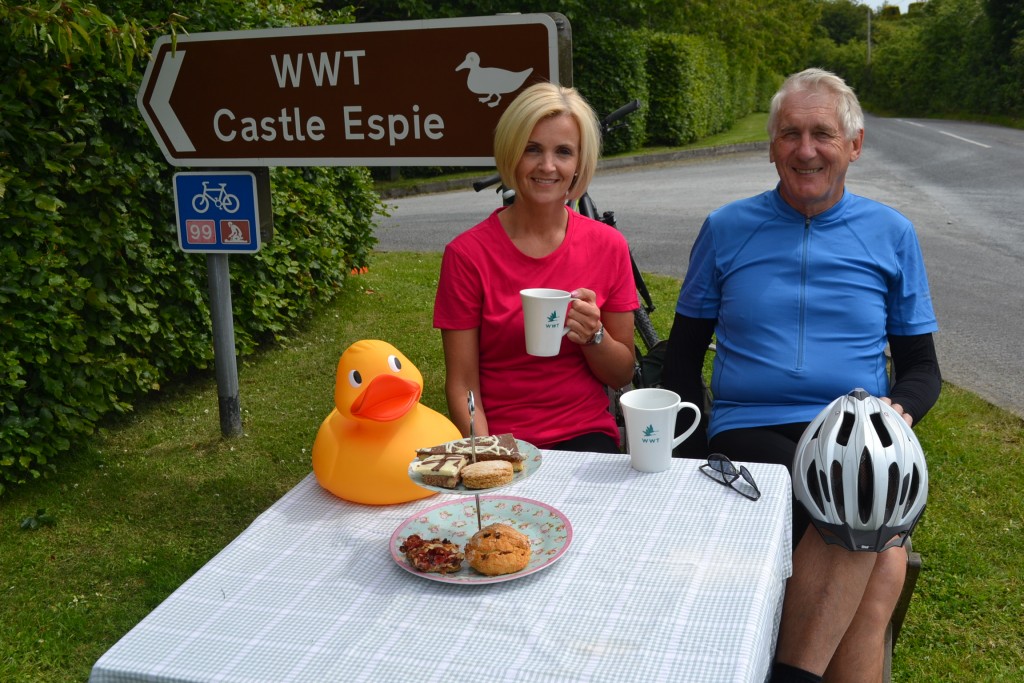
531,463
549,531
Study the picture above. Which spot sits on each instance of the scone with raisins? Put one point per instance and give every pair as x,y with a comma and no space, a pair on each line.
498,549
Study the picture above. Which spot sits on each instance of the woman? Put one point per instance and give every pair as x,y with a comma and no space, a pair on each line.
546,147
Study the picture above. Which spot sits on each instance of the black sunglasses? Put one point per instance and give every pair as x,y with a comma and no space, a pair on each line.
722,470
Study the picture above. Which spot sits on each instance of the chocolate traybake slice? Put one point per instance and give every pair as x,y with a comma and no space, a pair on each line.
441,469
492,447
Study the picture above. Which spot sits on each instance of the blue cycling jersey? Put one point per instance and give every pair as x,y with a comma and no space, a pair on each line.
803,305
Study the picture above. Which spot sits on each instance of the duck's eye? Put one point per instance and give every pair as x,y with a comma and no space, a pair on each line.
355,379
394,363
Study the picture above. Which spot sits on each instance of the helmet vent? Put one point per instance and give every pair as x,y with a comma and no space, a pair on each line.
905,488
845,429
883,434
915,484
837,490
824,485
813,489
893,492
865,490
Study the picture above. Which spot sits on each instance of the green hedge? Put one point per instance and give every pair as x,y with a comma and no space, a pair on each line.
98,306
688,85
693,88
609,70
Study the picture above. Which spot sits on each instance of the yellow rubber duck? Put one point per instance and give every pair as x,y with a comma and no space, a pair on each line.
364,446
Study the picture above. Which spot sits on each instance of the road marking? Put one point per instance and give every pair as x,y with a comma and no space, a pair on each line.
921,125
965,139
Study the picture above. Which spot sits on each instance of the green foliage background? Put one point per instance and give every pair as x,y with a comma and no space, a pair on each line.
942,58
98,306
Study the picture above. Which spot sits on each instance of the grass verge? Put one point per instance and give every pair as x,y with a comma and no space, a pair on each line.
161,492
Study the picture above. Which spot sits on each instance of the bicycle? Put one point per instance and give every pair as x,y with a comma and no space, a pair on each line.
218,197
586,206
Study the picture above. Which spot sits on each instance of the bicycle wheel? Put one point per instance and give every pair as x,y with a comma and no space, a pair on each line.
645,328
231,203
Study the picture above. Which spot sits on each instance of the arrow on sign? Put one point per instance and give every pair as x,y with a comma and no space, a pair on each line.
161,102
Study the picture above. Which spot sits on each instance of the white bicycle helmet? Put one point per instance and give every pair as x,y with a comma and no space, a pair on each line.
860,472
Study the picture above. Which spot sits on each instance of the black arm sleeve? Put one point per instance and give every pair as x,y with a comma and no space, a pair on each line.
917,381
684,361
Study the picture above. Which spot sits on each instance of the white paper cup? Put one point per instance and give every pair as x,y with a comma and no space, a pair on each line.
544,312
650,423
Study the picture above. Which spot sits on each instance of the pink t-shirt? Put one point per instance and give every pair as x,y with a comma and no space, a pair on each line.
540,400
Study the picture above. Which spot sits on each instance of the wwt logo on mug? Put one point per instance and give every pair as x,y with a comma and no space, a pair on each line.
650,435
552,320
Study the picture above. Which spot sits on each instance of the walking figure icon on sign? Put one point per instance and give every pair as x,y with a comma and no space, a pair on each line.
235,235
219,197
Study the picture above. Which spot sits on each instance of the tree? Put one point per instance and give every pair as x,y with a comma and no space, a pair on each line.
844,20
1007,21
75,28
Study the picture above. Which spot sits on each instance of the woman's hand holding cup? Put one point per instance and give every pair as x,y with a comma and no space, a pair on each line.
584,317
550,314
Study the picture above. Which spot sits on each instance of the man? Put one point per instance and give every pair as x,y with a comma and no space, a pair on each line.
803,287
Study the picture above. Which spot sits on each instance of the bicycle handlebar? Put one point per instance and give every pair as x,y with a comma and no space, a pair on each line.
486,182
619,113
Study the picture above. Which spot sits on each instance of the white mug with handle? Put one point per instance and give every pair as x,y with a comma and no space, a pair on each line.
544,316
650,423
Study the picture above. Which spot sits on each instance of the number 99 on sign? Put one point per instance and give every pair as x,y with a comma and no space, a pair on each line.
200,232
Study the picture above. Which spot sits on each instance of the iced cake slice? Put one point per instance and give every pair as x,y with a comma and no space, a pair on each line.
492,447
441,469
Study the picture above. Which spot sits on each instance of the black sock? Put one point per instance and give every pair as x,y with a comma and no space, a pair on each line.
784,673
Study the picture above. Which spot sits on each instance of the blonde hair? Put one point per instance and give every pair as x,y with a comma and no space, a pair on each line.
851,117
540,101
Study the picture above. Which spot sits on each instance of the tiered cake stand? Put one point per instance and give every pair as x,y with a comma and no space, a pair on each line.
549,530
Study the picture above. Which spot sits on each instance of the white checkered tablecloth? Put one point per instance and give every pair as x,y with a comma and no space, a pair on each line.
669,577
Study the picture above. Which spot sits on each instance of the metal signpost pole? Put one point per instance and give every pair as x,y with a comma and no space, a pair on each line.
224,361
219,213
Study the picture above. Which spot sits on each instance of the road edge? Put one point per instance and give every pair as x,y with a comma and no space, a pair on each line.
626,161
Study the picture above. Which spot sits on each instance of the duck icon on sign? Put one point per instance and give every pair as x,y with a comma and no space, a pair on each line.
491,82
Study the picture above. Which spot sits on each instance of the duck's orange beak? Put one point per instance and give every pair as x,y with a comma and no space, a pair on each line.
386,398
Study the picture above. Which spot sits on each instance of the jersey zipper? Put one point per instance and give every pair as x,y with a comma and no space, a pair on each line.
803,295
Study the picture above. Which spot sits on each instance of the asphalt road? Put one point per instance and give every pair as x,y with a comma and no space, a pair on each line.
961,183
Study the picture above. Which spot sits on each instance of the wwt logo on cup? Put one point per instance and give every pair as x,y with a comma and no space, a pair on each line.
650,435
552,320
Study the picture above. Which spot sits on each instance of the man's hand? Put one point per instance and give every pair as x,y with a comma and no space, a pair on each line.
899,410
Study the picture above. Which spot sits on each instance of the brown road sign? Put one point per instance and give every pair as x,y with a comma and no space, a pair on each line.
378,94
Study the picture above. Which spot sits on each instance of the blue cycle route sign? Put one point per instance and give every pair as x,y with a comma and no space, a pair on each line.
217,212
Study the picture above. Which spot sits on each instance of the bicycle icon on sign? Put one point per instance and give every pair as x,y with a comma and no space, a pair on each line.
218,197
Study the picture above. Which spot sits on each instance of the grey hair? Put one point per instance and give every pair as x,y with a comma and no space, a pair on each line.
851,117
